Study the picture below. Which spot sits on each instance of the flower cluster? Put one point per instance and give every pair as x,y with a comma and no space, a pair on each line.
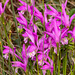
41,46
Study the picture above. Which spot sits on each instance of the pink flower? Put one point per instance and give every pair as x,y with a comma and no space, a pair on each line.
56,32
31,51
24,62
8,50
72,32
26,7
2,9
64,41
48,66
33,2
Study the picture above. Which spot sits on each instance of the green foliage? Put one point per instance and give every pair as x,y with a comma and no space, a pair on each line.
72,11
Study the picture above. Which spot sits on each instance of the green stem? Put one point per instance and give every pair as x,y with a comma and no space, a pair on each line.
71,70
2,18
54,70
2,54
58,62
16,25
53,56
2,58
74,60
65,64
31,67
37,65
43,15
74,69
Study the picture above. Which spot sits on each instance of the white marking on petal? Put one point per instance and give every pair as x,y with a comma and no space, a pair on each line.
6,56
31,54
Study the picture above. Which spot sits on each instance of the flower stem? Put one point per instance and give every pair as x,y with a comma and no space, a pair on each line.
2,58
65,64
43,15
37,64
19,41
58,62
74,59
71,70
53,56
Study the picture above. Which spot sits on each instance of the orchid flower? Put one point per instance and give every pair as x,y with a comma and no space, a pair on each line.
8,50
22,64
48,66
56,33
26,7
29,32
43,42
72,32
41,58
31,50
2,9
22,20
33,2
52,12
50,25
32,35
64,41
65,17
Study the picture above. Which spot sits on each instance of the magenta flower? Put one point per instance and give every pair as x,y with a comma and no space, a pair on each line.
64,41
72,32
33,2
43,42
22,64
56,33
26,7
19,64
32,35
48,66
31,50
2,9
41,57
22,20
28,32
50,25
53,11
8,50
65,17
